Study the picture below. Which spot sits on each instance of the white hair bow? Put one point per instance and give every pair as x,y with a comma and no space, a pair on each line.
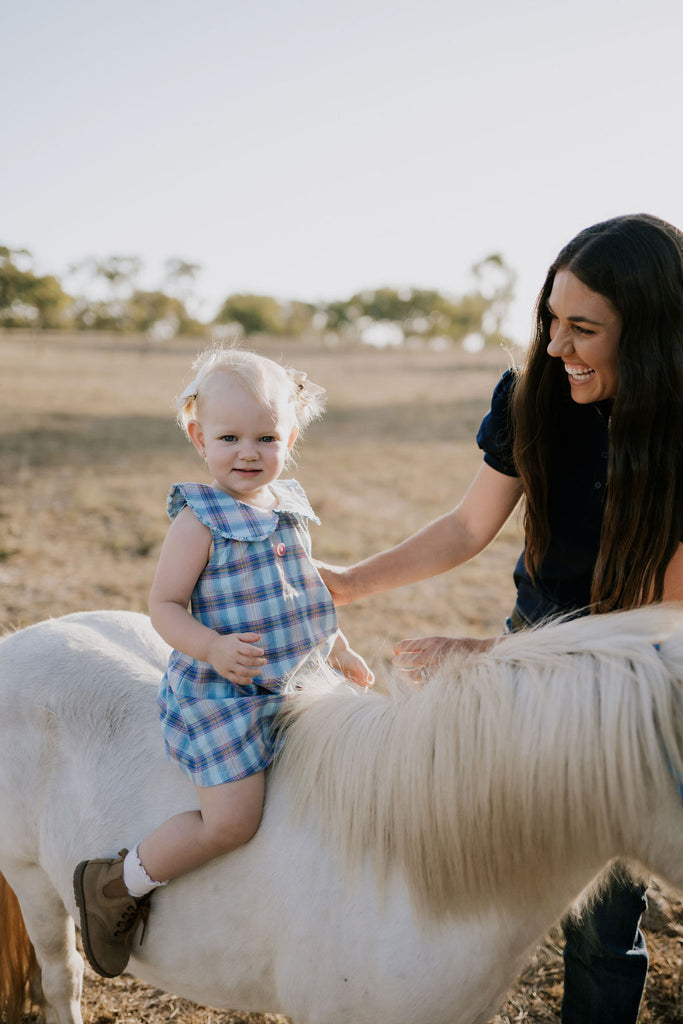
308,391
190,392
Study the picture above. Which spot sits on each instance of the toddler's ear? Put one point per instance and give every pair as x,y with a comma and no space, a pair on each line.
196,435
292,438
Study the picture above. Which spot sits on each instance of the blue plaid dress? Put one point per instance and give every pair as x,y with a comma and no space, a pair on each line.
260,579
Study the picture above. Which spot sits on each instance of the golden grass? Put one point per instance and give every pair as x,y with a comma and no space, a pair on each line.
88,449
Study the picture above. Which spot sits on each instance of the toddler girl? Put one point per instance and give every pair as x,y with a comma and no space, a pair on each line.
238,552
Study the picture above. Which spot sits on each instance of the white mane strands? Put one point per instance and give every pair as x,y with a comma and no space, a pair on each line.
488,778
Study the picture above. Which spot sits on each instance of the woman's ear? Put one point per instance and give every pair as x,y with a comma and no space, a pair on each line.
196,434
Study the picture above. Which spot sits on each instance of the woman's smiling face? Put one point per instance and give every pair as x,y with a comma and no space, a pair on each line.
585,329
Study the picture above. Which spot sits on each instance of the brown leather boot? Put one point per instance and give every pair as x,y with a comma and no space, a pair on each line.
109,914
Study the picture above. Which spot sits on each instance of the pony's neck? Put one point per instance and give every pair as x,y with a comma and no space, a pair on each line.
518,772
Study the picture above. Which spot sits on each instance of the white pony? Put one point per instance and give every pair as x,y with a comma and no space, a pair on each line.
414,847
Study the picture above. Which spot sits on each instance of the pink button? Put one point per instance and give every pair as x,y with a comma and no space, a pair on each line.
280,549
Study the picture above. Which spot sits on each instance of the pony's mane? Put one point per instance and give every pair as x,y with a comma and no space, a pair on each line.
502,763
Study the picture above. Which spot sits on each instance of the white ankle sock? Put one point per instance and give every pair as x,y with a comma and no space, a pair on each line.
135,878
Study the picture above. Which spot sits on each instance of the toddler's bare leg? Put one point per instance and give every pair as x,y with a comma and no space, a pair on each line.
229,816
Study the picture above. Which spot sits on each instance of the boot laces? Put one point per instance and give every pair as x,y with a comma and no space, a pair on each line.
134,912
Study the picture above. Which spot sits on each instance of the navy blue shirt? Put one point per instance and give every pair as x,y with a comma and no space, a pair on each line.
575,503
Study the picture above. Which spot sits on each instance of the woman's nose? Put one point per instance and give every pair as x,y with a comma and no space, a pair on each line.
560,344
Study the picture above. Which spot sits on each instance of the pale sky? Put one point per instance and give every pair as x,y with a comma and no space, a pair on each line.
310,149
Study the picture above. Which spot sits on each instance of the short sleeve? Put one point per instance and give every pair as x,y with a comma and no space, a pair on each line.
224,516
495,437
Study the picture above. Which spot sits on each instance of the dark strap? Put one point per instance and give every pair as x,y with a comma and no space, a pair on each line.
517,621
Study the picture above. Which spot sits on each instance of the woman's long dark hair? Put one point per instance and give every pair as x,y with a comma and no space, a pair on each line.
636,263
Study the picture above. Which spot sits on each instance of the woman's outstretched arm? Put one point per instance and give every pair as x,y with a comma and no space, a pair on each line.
442,545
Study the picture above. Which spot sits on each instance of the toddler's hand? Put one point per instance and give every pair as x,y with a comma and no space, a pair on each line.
352,666
236,657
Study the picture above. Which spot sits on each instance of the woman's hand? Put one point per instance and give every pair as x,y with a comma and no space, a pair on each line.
421,656
236,656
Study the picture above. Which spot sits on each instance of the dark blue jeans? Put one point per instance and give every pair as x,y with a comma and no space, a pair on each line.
605,959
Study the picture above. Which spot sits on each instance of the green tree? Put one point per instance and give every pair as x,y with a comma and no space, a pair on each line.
496,283
339,315
29,300
423,312
179,280
154,311
428,313
256,314
95,315
181,272
383,304
298,317
119,273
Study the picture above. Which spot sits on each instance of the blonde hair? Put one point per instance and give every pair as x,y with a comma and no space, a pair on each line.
269,382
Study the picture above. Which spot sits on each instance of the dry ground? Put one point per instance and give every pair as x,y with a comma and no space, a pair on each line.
88,448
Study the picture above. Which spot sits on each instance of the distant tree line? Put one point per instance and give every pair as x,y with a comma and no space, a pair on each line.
40,302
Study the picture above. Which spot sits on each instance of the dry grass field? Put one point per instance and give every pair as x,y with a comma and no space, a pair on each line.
88,448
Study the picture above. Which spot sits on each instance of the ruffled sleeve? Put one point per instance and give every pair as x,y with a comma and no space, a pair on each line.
234,520
495,436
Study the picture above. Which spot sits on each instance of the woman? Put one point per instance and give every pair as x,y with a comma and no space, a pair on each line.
590,434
